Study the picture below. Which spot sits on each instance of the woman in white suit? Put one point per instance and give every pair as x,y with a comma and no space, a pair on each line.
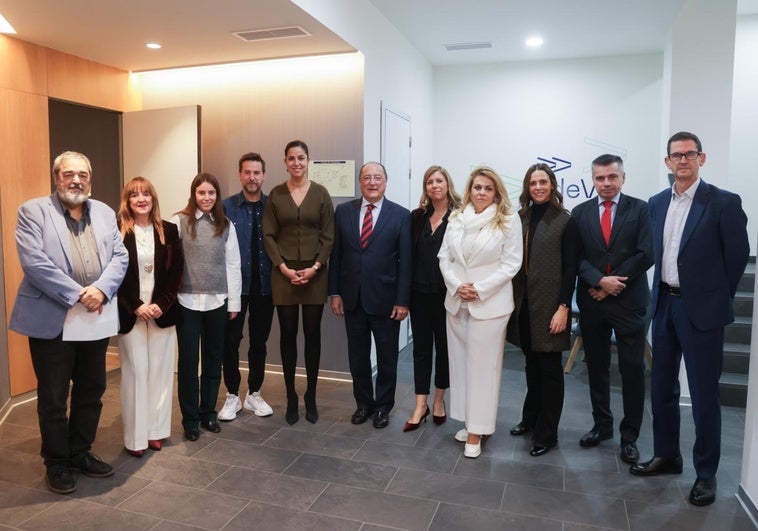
480,255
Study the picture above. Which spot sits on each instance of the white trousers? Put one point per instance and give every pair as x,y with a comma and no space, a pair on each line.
147,382
475,353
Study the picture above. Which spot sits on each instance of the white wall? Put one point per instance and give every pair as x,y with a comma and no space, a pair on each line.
507,115
743,169
395,73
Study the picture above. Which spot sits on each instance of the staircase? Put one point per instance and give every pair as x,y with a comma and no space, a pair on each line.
733,382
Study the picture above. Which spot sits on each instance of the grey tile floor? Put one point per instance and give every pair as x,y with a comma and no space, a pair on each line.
260,473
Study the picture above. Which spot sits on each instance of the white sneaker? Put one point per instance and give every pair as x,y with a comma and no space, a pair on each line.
461,435
231,406
257,405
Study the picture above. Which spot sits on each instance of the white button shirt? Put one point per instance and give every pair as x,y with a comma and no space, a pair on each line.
673,227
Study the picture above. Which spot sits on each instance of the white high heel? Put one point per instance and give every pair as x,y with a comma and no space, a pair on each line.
472,451
461,435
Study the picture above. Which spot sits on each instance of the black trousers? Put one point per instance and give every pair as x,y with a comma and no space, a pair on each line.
360,327
543,403
428,322
288,327
629,327
197,399
57,364
260,312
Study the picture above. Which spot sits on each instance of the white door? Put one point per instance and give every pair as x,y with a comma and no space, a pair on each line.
396,157
163,145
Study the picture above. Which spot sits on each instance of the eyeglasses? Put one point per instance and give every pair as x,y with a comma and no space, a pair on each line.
69,175
690,155
372,178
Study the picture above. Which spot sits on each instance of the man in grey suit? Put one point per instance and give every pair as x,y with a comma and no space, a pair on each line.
616,250
71,253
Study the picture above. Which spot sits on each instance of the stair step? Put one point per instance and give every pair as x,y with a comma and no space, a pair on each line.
743,303
740,331
733,389
747,282
736,358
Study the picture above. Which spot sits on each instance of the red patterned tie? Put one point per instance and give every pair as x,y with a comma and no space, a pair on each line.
368,225
605,226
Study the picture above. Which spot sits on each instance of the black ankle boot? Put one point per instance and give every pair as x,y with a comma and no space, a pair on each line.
292,415
311,413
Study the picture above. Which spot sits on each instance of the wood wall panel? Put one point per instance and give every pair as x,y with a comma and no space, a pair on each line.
24,173
28,75
22,66
78,80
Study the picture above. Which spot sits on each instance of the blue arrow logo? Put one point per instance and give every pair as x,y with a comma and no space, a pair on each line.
555,162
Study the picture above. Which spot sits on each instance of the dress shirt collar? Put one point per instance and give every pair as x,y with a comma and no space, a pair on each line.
689,192
615,200
377,205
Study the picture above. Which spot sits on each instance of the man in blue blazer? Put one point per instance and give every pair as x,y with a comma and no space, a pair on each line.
616,251
701,250
71,254
370,286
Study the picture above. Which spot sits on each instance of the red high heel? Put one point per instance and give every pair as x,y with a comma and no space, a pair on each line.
410,426
155,445
135,453
439,420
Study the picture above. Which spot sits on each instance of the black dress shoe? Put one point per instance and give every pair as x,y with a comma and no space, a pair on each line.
60,480
703,492
91,465
657,465
538,450
192,434
521,428
593,438
361,415
381,419
629,452
210,425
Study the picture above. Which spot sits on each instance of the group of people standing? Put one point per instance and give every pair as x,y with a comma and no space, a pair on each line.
472,272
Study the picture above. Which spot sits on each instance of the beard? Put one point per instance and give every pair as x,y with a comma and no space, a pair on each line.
73,196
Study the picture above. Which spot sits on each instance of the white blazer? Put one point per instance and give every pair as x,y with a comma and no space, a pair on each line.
494,262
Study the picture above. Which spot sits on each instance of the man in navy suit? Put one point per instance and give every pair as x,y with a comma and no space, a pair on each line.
71,254
370,286
612,293
701,250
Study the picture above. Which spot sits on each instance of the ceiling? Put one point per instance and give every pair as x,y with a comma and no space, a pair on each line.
198,32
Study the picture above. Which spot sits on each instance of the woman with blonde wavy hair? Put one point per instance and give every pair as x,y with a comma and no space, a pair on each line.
480,255
148,314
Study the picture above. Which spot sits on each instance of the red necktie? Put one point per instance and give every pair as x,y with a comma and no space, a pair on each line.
368,225
605,226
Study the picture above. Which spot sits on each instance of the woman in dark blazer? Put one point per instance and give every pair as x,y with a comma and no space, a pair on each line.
428,223
148,313
298,233
543,288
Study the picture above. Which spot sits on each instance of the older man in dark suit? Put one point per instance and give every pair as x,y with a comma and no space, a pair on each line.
370,285
701,250
612,293
73,261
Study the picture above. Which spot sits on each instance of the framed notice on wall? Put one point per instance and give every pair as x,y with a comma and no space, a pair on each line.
338,176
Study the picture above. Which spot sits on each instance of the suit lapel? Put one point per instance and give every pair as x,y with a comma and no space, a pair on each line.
354,219
696,212
61,229
594,224
622,212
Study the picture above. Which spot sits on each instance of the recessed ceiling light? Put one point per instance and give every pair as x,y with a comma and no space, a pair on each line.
153,45
5,26
534,41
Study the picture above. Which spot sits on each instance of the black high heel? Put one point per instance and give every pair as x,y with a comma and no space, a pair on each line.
292,415
311,412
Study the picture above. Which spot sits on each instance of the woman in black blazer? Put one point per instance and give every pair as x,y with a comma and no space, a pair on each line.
428,223
148,313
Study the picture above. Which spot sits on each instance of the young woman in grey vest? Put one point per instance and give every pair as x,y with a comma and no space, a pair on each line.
209,295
